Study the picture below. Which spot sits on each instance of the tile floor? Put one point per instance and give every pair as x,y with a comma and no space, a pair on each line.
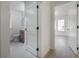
17,51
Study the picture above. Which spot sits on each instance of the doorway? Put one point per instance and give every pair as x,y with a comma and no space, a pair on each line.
66,30
23,29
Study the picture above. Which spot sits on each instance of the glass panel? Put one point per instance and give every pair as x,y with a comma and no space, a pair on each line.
31,24
72,23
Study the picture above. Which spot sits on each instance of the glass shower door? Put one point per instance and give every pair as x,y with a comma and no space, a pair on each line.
72,26
31,27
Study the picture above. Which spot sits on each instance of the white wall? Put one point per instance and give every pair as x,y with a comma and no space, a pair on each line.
45,27
4,29
16,17
52,29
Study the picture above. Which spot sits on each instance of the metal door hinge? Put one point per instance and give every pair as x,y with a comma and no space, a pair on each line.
37,28
37,49
77,5
77,48
37,6
77,27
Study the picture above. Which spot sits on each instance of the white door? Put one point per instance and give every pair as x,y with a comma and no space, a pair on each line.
31,25
72,26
